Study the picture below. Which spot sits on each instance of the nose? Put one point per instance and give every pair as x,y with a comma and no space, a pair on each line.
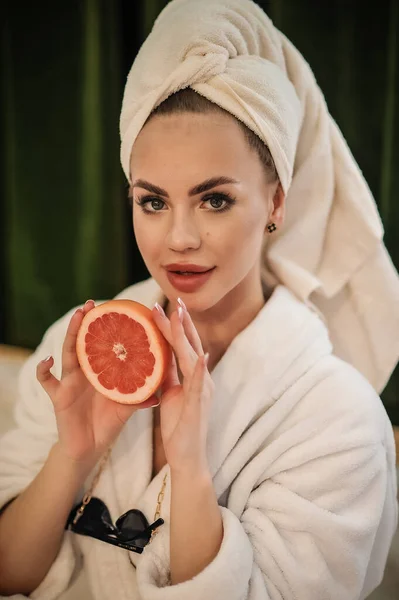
183,233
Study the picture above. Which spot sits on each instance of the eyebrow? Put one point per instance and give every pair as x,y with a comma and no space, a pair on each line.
206,185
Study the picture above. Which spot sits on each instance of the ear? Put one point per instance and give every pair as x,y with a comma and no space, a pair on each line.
278,211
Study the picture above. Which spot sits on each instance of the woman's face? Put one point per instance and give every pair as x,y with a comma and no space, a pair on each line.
220,228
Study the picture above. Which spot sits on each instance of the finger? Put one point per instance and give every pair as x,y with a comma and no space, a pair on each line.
88,305
149,403
163,324
125,411
196,388
191,331
185,353
69,356
172,376
46,379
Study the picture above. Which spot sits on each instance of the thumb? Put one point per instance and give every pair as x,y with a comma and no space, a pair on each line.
172,377
129,409
125,411
149,403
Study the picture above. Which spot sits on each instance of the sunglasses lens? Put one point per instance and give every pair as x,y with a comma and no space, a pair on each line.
95,518
131,524
141,541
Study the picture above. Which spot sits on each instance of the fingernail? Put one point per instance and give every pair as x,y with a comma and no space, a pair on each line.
87,302
159,309
180,301
46,359
180,313
154,405
206,358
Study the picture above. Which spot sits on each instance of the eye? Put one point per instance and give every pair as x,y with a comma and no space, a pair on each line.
220,202
216,202
156,204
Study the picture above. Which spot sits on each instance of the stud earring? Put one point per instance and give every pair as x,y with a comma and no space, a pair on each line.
271,227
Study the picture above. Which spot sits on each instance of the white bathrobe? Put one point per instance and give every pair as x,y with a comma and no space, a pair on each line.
302,456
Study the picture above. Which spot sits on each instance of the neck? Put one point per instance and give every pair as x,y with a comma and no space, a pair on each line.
220,324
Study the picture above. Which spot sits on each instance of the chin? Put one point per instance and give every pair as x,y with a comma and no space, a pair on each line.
203,300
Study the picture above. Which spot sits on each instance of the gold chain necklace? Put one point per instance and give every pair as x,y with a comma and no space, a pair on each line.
88,495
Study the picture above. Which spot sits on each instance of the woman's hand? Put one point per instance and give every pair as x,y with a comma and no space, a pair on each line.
185,408
87,421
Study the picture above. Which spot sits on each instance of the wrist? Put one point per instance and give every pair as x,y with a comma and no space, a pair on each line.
197,475
80,467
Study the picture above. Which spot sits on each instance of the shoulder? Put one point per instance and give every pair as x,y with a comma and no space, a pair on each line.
341,398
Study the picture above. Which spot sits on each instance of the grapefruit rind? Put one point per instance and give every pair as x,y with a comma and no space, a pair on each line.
158,346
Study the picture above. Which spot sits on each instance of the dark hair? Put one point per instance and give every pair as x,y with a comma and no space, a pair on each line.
188,100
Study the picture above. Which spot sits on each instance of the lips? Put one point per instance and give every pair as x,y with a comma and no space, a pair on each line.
191,282
190,272
187,268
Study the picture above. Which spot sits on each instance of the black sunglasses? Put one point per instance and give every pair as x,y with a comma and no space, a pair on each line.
131,531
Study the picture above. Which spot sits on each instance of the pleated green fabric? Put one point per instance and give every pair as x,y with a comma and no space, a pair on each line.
63,187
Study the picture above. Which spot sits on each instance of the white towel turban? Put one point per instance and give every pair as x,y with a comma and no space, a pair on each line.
330,251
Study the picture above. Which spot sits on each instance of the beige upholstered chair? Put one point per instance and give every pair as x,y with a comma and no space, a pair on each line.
11,360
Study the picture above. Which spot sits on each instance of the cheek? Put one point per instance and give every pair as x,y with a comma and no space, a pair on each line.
243,236
147,236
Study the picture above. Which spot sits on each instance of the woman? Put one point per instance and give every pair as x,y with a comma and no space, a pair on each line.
271,458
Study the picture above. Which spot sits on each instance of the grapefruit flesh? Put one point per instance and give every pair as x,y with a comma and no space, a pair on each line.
122,352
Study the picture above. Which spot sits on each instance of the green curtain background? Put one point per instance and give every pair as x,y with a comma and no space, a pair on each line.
65,227
64,234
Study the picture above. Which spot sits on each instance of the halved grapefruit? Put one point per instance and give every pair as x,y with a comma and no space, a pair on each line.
122,352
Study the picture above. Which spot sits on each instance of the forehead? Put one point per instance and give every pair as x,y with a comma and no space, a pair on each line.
190,140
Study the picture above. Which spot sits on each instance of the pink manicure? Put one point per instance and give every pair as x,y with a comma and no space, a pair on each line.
180,313
180,301
159,309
